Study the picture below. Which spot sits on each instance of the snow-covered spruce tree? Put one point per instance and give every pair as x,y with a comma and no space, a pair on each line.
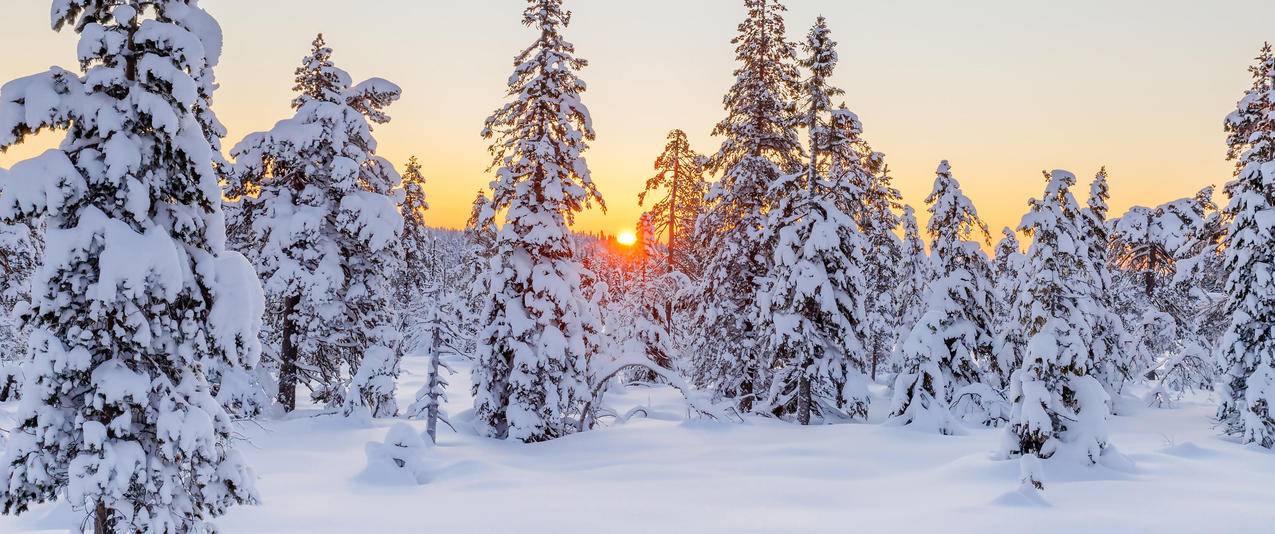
1012,306
679,174
321,207
1246,125
875,213
539,327
1247,350
1058,406
760,146
916,272
1110,344
430,307
480,245
943,355
416,241
136,294
812,301
436,336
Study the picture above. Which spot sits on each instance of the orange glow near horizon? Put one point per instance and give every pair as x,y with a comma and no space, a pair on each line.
626,238
1142,91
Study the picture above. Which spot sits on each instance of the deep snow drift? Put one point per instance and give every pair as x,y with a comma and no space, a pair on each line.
665,474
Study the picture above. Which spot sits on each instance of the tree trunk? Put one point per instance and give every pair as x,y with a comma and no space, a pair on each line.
1149,280
803,399
672,205
101,518
431,419
288,356
672,226
876,357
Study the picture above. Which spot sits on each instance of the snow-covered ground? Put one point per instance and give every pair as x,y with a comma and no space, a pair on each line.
666,474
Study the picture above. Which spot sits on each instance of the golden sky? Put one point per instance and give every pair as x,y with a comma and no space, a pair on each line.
1002,88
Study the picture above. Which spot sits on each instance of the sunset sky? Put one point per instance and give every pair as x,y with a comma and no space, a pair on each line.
1002,88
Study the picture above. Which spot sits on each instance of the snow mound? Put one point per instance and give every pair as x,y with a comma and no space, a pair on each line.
1188,450
398,461
1023,497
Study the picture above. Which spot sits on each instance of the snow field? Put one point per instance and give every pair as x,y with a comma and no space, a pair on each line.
666,474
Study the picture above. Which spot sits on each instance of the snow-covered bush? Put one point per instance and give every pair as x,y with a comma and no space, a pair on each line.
402,459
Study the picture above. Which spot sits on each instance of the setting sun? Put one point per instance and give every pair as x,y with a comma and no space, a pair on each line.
626,238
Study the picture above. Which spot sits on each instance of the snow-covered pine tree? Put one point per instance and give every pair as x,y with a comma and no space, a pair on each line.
943,355
679,174
1200,261
1247,350
539,328
1198,301
1058,406
1110,344
136,294
480,245
1012,306
760,147
812,301
321,208
1136,247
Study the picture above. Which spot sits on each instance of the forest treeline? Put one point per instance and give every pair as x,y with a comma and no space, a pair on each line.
163,287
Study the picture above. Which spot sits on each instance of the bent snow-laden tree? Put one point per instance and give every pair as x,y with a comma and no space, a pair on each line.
1058,406
942,355
539,327
760,146
137,295
320,208
1247,348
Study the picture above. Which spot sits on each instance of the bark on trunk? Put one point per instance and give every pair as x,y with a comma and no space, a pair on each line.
803,399
431,420
101,518
288,356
